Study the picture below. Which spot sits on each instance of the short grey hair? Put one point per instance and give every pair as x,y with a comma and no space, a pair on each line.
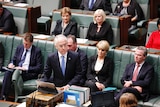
58,38
144,49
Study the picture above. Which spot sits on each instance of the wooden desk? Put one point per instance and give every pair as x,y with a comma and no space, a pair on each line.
154,5
43,99
33,14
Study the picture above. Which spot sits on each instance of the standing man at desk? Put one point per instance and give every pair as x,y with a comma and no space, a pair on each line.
27,59
137,76
93,5
7,23
63,65
72,45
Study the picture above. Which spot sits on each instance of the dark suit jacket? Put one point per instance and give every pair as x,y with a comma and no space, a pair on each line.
134,6
99,4
1,54
35,65
105,32
71,28
84,64
144,78
104,75
73,72
7,23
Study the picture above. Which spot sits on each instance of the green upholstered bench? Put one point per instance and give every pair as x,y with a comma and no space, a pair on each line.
20,17
83,19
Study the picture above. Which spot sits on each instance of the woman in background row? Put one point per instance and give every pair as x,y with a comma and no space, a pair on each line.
65,26
154,39
128,100
99,29
130,7
100,68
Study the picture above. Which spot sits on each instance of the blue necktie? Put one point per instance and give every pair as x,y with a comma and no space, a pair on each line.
63,65
23,58
91,4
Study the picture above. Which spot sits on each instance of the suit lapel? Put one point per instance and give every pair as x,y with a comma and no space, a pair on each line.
97,3
58,65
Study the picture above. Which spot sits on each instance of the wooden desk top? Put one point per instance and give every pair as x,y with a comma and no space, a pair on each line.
7,103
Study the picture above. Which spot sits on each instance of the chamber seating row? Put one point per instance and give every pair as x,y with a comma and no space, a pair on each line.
120,57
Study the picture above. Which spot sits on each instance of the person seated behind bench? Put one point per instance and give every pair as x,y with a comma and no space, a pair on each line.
100,29
63,67
28,59
137,76
154,39
100,68
7,23
66,26
93,5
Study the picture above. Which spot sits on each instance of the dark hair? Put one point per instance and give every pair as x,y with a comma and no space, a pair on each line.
28,37
158,22
73,38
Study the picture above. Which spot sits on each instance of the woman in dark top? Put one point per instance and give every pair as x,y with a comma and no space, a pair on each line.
100,68
65,26
100,29
130,7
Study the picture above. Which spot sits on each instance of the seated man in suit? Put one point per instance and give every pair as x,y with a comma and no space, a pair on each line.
137,76
63,64
93,5
7,23
28,59
72,45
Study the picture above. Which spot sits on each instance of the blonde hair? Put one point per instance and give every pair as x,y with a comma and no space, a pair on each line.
66,10
103,44
128,100
99,12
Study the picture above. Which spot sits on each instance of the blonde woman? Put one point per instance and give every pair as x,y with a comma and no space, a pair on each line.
99,29
100,68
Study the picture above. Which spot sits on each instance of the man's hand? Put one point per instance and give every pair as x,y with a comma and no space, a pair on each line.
21,68
66,87
100,86
11,65
127,83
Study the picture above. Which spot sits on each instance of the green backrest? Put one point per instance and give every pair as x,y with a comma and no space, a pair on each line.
152,26
47,6
7,42
154,60
121,59
21,18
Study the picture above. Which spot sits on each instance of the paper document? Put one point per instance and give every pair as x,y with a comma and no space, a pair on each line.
22,105
42,36
81,40
21,4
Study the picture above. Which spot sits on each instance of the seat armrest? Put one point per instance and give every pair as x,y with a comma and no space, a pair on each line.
142,23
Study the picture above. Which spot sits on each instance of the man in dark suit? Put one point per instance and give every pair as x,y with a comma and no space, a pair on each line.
28,59
72,45
65,65
97,4
137,76
7,23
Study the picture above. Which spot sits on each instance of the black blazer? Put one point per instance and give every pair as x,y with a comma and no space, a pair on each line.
71,28
7,23
35,65
99,4
144,78
84,64
73,72
104,75
105,33
134,6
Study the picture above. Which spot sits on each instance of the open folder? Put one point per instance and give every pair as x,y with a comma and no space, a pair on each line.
46,87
